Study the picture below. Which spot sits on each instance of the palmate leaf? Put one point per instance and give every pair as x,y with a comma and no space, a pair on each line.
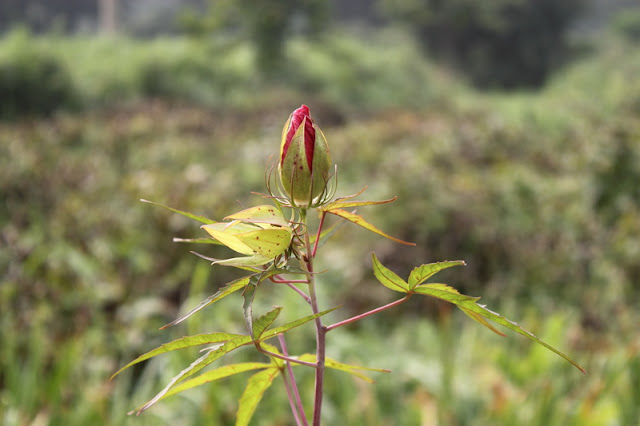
201,219
206,359
183,342
230,288
359,220
468,304
256,386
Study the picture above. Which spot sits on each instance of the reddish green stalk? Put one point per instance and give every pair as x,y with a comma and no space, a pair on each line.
320,329
315,245
292,388
366,314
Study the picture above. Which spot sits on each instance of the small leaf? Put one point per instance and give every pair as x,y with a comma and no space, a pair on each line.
223,292
184,342
387,277
351,369
248,263
218,373
338,204
358,220
247,307
444,292
476,311
256,386
201,219
422,273
494,316
262,323
261,214
476,317
197,241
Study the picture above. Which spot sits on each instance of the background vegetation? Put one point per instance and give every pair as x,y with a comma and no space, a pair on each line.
536,190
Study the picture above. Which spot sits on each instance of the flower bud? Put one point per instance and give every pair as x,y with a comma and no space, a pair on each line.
304,158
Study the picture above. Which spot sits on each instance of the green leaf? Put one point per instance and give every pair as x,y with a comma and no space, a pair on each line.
261,214
227,233
197,241
223,292
293,324
358,220
209,357
247,307
341,204
201,219
262,323
218,373
444,292
351,369
477,312
422,273
256,386
387,277
184,342
248,263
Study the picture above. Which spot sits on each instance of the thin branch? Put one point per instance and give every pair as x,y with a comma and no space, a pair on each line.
366,314
315,245
294,386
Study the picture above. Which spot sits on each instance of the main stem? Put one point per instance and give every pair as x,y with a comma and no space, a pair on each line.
320,329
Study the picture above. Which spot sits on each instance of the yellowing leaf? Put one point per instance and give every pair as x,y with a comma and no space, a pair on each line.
226,234
358,220
260,214
269,242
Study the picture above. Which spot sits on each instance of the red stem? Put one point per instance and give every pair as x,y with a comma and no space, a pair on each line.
296,402
366,314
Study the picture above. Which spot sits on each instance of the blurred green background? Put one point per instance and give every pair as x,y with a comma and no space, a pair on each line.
509,130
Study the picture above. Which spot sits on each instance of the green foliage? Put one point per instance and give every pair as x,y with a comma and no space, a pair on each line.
264,23
497,44
627,24
33,81
80,258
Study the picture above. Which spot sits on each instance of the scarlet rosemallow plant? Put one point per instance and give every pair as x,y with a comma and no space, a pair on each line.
278,246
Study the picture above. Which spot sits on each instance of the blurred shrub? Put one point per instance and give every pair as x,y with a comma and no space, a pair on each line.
497,44
265,24
627,24
33,81
343,70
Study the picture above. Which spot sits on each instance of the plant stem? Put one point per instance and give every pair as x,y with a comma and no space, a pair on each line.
292,388
366,314
320,329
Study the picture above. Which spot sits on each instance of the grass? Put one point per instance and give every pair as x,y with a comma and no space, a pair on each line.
530,189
